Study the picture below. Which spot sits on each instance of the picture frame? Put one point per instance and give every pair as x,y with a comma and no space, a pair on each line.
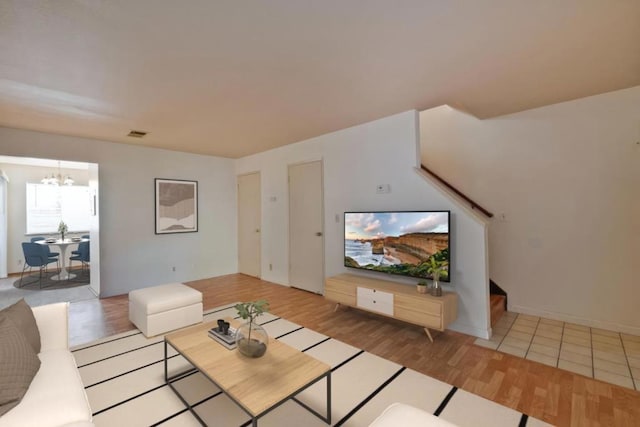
176,206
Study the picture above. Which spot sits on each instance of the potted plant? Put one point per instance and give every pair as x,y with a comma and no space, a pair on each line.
251,338
422,287
62,228
437,269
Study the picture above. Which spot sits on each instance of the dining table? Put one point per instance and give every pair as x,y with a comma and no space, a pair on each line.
63,245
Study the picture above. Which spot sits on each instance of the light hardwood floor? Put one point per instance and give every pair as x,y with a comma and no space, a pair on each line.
553,395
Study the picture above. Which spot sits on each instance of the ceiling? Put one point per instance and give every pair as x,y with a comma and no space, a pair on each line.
233,78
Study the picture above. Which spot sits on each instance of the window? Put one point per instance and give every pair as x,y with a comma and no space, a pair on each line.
47,205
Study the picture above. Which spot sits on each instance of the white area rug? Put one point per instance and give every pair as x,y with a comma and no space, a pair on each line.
124,380
34,296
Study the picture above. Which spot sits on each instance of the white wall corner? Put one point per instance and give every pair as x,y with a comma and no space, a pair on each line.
550,209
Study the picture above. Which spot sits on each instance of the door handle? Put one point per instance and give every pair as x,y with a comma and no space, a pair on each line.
319,234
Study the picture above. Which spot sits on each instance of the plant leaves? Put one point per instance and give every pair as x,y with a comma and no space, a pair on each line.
250,310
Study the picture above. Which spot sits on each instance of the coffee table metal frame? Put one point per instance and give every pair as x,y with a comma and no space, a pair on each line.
169,380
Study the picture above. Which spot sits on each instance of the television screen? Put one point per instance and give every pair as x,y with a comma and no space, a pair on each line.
405,243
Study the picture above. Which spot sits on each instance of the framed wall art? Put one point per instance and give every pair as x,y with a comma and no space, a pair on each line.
176,206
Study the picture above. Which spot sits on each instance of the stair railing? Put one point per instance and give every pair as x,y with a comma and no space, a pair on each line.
473,204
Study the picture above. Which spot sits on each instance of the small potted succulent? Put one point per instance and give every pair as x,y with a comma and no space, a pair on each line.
251,338
422,287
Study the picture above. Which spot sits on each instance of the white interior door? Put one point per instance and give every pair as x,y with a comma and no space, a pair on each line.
306,231
249,224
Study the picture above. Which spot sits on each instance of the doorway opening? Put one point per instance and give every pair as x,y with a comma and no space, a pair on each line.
38,194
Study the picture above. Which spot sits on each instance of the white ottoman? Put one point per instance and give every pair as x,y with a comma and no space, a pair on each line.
163,308
401,414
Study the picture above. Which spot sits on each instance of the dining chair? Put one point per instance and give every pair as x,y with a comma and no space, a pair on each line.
83,255
77,251
48,249
35,255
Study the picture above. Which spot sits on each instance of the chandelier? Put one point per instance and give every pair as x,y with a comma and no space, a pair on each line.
57,179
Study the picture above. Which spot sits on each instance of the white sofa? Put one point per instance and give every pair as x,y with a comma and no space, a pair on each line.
401,414
56,396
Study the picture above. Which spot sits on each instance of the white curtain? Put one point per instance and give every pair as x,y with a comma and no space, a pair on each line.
3,224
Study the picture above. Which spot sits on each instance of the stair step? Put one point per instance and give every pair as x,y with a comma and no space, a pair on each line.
498,307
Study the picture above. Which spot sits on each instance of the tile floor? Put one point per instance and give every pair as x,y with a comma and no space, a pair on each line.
597,353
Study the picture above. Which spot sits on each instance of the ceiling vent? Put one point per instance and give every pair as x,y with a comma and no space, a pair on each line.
137,133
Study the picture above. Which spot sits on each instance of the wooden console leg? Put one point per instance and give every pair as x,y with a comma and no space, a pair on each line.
428,334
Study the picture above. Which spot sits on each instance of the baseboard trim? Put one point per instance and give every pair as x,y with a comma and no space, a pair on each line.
564,317
470,330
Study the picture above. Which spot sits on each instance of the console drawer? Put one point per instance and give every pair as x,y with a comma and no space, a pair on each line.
376,301
419,318
340,292
340,298
419,303
332,285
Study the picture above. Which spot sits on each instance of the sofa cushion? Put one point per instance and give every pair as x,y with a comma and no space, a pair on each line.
56,396
21,315
18,365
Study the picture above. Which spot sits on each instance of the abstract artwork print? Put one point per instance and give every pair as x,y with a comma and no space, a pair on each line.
176,206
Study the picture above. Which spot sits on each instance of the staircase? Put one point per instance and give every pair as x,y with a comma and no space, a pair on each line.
498,305
498,297
497,302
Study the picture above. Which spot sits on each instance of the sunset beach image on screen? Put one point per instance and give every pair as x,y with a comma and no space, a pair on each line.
397,242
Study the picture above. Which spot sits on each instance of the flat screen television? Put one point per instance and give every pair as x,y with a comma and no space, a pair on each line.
397,242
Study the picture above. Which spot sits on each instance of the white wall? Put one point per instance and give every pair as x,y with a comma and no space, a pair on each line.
3,224
567,179
131,255
355,160
19,176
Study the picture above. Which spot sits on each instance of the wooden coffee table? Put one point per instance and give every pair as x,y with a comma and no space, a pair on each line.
256,385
